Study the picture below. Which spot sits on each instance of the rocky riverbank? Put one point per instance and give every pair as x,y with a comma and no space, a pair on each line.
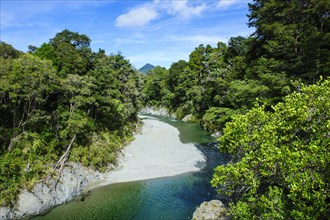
156,152
157,112
48,193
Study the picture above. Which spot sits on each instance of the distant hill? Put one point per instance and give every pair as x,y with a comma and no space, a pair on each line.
146,68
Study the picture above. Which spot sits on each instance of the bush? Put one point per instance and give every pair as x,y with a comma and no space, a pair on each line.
281,159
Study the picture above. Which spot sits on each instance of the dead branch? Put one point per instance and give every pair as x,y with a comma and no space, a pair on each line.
63,159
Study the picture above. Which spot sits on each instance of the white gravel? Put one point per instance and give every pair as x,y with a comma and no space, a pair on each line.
156,152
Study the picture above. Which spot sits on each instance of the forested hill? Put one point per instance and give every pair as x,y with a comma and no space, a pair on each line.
62,102
280,167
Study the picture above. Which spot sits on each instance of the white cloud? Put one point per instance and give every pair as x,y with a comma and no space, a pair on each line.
143,15
203,39
181,10
137,17
185,11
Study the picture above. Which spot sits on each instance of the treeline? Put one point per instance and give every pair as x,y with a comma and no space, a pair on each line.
268,97
290,46
62,102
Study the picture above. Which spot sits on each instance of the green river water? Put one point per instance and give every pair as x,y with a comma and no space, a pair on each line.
163,198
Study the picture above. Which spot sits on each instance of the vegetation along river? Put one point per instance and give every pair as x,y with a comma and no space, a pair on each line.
170,198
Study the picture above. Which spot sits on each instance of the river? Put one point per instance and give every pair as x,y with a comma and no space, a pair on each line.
169,198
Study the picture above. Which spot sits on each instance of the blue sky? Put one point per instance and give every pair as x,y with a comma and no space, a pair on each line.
159,32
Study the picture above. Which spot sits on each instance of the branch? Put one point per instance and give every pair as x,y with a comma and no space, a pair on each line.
63,159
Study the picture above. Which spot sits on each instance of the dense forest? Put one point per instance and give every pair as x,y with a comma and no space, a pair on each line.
62,102
266,96
290,46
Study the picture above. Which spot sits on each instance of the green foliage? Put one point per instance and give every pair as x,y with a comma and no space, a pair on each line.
62,97
155,87
28,83
24,165
281,161
100,153
280,156
69,51
208,81
116,93
243,93
45,51
75,39
69,60
290,45
237,47
295,33
7,51
215,118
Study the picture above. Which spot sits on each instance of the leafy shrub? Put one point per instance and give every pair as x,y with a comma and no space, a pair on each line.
281,158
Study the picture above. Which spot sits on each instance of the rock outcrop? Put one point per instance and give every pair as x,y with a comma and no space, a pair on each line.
156,112
50,193
212,210
189,118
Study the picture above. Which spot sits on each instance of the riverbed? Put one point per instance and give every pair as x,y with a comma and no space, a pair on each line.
174,197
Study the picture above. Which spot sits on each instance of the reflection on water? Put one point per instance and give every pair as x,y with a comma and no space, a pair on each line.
111,202
189,132
164,198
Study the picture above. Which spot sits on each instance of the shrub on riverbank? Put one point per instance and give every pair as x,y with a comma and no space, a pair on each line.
281,166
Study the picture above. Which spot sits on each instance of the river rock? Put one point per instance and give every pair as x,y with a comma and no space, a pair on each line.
216,134
212,210
189,118
48,194
28,204
6,213
156,112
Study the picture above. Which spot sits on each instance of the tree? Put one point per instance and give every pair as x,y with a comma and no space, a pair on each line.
155,87
280,167
62,102
46,51
296,33
237,46
72,52
79,41
116,92
69,60
7,51
180,76
28,85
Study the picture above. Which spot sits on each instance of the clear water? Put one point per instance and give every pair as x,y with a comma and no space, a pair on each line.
164,198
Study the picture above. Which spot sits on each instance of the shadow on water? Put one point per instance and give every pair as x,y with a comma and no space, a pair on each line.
168,198
193,133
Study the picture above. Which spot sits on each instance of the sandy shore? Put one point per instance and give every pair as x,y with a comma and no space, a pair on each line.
156,152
